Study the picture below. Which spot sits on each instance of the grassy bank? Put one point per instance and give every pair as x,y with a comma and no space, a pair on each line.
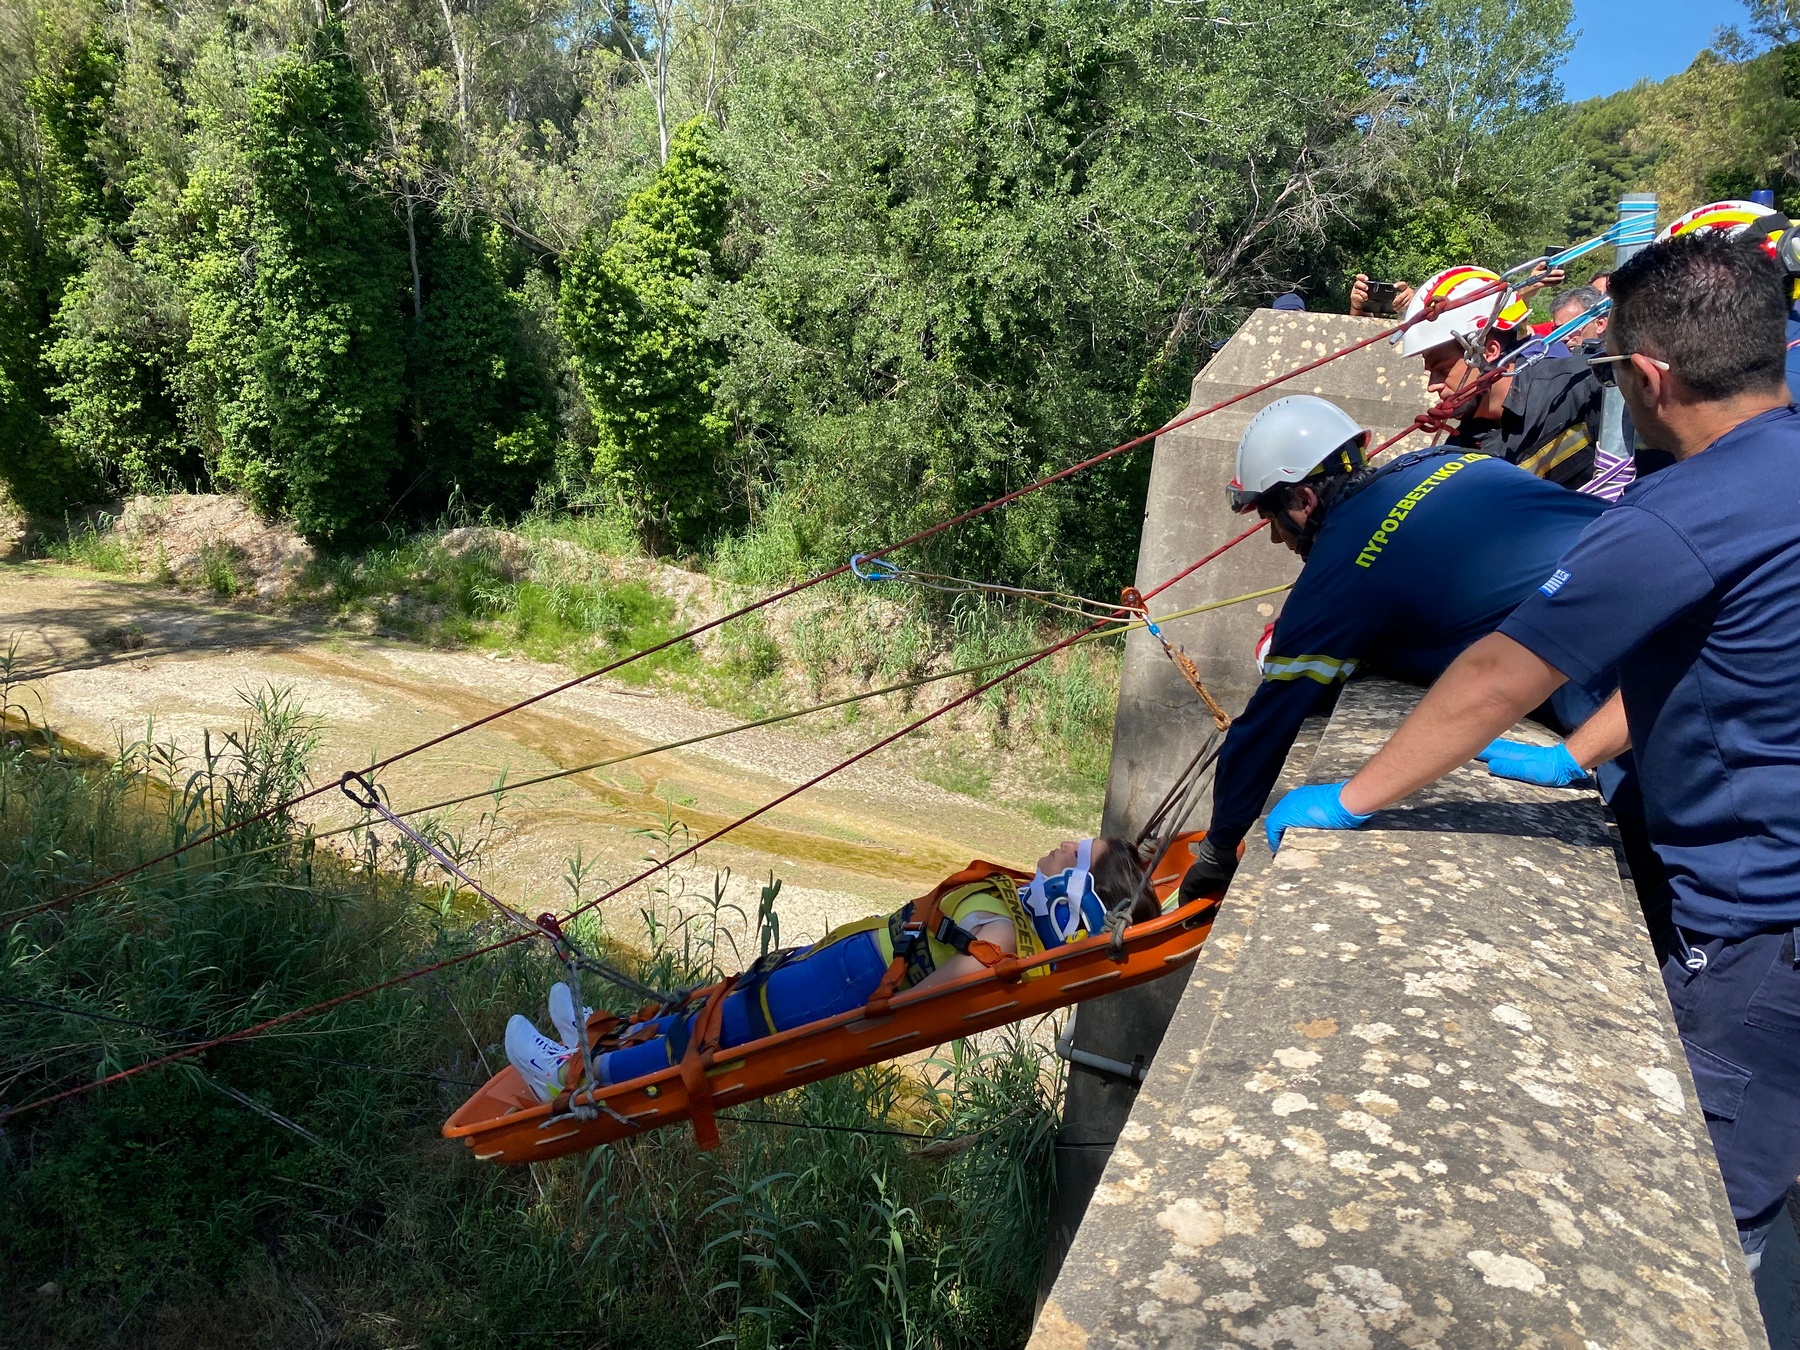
575,590
293,1190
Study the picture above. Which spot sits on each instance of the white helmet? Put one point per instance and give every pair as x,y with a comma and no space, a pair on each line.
1463,321
1736,218
1288,440
1777,235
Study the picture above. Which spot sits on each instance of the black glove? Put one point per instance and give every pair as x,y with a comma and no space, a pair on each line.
1211,873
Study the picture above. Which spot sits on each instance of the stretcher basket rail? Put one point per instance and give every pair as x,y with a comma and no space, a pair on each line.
505,1123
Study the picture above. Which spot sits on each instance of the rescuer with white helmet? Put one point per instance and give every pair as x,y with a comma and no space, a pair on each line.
1407,562
1690,590
1544,417
1290,441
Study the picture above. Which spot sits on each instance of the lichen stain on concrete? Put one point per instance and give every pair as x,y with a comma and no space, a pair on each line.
1666,1088
1505,1271
1173,1284
1353,1303
1305,1235
1054,1330
1194,1224
1291,1057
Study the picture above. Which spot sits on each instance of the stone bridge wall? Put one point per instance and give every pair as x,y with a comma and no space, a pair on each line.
1421,1090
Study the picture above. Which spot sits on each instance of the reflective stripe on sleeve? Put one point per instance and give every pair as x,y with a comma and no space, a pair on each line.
1550,456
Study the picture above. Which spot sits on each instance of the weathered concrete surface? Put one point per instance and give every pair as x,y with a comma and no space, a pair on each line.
1428,1094
1160,724
1127,1027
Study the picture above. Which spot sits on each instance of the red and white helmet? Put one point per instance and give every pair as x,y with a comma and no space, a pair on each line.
1779,237
1734,217
1484,306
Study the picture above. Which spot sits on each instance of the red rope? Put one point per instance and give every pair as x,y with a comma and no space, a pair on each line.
200,1047
257,1029
929,532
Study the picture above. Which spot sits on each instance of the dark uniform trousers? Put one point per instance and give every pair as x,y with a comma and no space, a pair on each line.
1737,1006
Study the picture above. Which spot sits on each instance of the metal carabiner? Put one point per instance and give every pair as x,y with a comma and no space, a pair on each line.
880,569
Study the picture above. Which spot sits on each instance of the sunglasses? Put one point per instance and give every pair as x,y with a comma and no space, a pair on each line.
1606,368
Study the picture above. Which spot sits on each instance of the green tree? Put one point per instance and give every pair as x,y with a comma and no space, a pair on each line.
121,333
1612,161
72,95
483,405
631,314
984,241
1722,128
221,392
55,80
329,280
1480,172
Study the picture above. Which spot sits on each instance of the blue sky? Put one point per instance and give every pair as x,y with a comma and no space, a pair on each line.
1624,41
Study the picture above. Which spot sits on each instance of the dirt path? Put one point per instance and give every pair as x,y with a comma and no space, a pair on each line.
111,658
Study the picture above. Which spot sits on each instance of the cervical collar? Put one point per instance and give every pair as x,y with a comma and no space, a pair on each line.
1062,905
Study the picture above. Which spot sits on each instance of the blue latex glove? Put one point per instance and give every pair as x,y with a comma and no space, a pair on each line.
1545,765
1320,807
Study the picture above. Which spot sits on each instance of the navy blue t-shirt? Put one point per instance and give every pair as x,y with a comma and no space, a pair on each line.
1691,587
1427,558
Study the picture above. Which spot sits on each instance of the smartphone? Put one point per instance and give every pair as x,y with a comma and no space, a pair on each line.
1383,296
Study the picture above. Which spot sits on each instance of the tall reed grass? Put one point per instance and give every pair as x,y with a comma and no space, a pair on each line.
293,1190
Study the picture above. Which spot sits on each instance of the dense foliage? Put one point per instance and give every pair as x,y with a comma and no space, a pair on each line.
294,1191
1727,125
819,270
632,318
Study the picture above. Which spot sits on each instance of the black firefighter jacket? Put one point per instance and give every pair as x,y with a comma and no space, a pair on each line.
1549,424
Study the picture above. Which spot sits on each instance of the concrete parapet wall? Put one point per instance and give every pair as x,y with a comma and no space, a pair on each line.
1423,1090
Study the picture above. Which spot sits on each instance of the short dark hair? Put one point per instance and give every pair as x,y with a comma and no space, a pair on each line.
1508,338
1118,875
1713,307
1585,296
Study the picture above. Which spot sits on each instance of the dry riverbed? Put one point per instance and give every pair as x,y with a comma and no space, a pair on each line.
113,660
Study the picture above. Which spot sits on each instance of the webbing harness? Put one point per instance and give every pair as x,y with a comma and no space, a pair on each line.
920,920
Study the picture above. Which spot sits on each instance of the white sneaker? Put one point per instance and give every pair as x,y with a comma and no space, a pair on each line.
538,1059
568,1019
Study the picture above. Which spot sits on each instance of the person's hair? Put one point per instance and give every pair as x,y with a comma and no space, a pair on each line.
1118,875
1713,307
1582,297
1508,338
1327,484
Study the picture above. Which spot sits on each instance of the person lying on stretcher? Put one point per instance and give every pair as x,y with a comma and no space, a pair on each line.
1077,883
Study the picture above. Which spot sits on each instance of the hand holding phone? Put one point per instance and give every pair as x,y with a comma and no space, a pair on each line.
1383,298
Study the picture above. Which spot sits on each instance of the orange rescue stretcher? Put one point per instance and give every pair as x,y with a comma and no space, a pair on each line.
505,1123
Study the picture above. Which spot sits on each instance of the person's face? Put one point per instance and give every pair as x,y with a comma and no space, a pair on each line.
1591,331
1446,368
1062,857
1448,371
1639,398
1302,501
